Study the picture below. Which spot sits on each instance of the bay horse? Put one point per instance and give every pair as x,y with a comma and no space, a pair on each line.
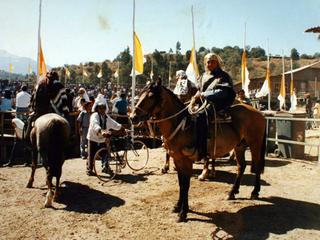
248,126
50,138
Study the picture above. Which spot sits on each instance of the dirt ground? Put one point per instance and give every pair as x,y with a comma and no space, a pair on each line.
138,205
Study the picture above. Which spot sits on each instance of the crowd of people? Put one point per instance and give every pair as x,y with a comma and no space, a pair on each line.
92,106
49,95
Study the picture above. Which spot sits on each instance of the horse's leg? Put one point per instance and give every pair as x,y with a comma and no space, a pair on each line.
257,170
165,169
241,166
34,156
205,171
177,207
184,190
56,195
213,170
49,198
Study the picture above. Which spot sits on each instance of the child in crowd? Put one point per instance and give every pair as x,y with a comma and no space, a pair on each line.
83,126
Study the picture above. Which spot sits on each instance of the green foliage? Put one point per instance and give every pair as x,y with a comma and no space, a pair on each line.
178,48
257,52
294,54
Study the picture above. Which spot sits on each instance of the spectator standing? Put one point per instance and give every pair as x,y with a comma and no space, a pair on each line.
83,126
19,143
22,103
242,97
308,105
316,112
7,104
122,106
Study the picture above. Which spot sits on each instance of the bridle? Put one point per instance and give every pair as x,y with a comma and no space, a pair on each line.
157,102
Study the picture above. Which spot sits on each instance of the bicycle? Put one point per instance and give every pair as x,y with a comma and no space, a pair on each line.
120,151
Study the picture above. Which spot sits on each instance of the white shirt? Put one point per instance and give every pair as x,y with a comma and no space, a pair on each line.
94,127
114,108
19,128
23,99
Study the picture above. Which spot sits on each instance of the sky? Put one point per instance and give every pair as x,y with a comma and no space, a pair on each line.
78,31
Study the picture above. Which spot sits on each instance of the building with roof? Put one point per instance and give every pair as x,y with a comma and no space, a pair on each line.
305,80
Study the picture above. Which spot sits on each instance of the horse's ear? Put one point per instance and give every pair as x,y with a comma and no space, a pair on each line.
159,82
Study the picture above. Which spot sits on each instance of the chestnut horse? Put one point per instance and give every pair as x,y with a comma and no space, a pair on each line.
248,126
50,139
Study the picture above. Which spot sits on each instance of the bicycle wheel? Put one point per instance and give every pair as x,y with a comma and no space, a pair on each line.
137,155
105,164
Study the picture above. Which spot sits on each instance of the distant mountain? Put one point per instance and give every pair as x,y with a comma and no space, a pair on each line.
20,64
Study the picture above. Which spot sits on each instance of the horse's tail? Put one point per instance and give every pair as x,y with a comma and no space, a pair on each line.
263,152
56,147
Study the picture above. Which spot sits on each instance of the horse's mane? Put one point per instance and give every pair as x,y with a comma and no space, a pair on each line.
152,86
174,96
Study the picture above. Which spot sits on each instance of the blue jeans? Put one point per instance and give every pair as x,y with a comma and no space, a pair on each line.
20,114
83,142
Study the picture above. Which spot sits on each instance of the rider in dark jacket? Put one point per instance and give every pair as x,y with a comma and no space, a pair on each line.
49,96
216,87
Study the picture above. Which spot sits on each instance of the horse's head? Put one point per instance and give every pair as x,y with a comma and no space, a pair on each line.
149,103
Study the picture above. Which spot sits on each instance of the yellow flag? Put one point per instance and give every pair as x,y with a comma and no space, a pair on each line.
67,72
282,95
245,74
100,74
42,64
11,68
116,74
30,69
192,61
191,69
268,79
84,73
138,54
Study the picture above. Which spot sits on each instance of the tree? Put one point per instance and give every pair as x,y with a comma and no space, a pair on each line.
178,48
202,50
294,54
257,52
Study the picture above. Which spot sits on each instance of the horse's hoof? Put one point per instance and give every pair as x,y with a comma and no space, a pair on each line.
212,175
29,185
164,170
231,197
181,218
254,196
56,198
176,209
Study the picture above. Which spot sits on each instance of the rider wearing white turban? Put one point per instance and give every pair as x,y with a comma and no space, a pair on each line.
183,86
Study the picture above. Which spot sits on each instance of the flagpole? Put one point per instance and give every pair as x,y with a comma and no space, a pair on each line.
268,65
10,71
38,67
29,73
118,75
169,74
133,64
82,74
151,76
194,47
283,81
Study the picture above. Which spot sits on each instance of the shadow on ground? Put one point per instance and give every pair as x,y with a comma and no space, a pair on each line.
83,199
277,216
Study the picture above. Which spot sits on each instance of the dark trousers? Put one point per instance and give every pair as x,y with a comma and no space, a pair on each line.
93,147
18,150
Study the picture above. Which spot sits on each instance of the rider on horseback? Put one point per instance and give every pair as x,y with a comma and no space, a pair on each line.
216,86
49,96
